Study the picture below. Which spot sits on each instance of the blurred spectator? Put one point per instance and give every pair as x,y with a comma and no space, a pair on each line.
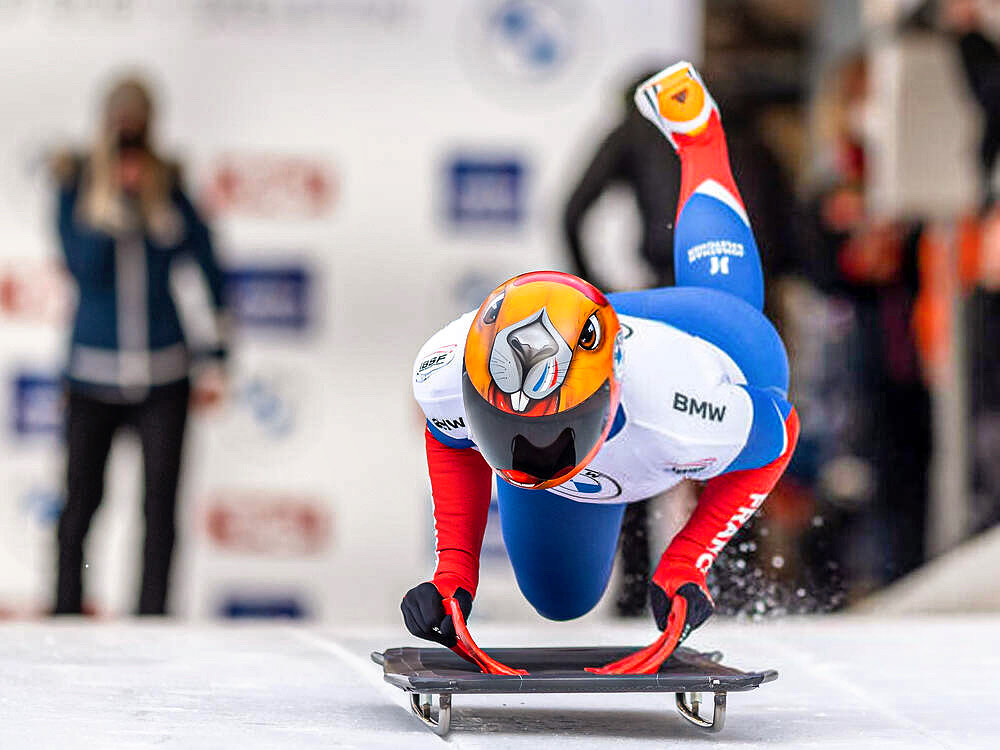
123,219
981,62
636,155
774,209
872,265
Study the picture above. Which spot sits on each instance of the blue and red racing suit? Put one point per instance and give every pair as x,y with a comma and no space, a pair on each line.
704,397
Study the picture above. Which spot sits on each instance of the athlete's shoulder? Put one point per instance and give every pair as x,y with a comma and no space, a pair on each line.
437,377
685,392
734,328
658,354
440,356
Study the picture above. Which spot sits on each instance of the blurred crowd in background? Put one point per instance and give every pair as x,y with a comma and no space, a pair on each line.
890,315
878,310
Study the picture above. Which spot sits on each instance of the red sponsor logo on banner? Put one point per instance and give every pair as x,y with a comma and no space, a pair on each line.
268,524
271,186
34,291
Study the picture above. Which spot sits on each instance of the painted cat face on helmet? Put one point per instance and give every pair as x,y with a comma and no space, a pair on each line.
542,376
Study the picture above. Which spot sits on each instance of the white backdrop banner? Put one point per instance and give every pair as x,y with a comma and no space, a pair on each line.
371,169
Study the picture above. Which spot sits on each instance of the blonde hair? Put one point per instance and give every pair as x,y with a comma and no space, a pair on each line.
101,204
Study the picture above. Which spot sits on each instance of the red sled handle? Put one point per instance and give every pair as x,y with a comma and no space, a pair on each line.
467,648
648,660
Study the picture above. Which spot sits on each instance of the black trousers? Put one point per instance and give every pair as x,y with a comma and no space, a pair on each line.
903,446
91,425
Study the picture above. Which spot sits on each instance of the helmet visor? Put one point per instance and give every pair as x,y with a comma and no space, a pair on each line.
543,447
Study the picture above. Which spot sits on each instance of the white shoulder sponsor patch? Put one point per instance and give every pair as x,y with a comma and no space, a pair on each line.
437,378
434,361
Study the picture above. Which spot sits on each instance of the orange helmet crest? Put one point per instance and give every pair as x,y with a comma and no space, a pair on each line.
541,376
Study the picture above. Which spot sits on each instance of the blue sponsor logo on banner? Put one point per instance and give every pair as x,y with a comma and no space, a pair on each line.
269,297
530,36
267,405
43,505
37,404
486,191
263,607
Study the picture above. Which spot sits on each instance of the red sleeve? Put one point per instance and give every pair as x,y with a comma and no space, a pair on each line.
461,482
727,502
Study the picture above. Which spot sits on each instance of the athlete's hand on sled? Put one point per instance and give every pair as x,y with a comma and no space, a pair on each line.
467,648
680,602
434,617
425,616
679,580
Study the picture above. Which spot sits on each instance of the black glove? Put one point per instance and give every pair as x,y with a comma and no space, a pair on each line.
423,613
684,581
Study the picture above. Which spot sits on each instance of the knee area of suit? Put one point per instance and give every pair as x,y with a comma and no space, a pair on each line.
570,609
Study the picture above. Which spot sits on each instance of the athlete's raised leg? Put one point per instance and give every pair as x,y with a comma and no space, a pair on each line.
713,242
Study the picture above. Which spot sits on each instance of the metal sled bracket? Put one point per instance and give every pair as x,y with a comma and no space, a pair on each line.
427,672
691,711
420,704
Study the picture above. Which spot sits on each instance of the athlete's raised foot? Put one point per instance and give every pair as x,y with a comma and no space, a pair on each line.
676,101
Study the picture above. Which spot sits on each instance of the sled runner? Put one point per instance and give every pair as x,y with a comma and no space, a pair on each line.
428,672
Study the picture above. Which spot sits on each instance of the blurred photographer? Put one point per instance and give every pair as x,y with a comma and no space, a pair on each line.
976,28
871,266
123,219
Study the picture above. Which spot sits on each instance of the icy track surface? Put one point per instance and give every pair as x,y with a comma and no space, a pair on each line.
845,683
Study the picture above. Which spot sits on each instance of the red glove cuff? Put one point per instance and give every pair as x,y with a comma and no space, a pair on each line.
671,574
448,583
